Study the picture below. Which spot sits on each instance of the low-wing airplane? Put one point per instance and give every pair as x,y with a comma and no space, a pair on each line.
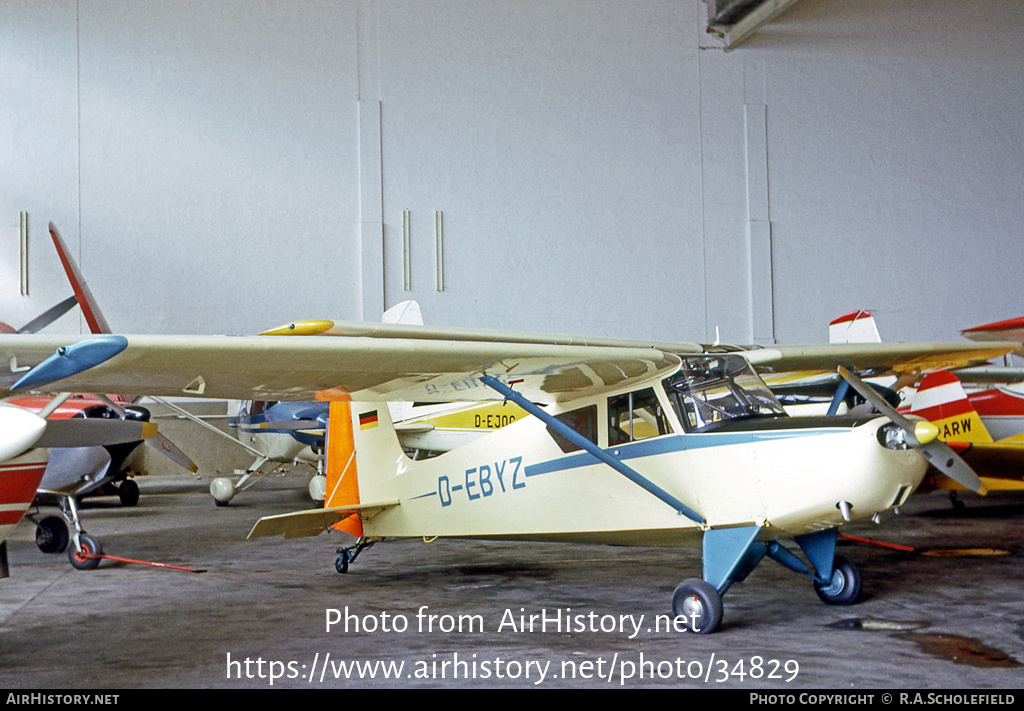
21,469
27,441
89,470
631,443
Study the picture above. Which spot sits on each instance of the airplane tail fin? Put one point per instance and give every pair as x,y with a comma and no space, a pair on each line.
941,400
344,508
341,470
90,309
854,327
360,438
406,312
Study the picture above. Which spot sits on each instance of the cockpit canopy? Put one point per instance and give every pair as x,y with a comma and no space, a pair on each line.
708,390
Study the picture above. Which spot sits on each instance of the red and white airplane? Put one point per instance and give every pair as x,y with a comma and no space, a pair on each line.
71,472
985,426
27,441
998,461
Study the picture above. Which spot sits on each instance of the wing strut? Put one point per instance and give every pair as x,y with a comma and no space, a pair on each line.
588,446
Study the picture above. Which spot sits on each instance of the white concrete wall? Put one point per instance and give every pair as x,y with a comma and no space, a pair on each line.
601,166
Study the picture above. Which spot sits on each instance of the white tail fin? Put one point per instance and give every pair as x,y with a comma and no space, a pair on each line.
854,327
363,458
406,313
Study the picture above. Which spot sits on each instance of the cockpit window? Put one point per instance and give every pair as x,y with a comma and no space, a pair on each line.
635,416
583,421
708,390
258,407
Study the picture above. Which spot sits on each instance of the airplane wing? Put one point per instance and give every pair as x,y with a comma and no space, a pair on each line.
326,368
872,359
867,358
392,330
993,460
994,375
18,359
419,366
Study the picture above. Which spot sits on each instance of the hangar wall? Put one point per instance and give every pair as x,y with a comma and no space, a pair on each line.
595,166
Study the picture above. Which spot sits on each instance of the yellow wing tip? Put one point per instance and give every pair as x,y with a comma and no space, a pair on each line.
312,327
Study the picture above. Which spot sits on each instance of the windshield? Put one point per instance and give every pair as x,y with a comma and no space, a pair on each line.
711,389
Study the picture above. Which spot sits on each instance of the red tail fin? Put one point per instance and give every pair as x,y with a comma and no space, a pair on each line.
91,311
941,399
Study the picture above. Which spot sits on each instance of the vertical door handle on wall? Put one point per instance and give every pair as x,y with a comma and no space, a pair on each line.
439,239
24,252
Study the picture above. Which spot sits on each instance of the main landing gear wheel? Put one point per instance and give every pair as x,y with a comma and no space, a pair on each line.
844,587
699,604
90,548
52,535
318,488
222,490
128,492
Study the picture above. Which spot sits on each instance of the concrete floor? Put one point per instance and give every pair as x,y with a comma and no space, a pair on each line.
925,621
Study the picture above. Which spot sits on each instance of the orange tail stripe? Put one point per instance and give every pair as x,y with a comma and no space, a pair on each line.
342,480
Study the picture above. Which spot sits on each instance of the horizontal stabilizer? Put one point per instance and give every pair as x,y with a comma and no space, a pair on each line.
312,522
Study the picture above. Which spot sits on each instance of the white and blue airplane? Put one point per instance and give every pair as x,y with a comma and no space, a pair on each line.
626,443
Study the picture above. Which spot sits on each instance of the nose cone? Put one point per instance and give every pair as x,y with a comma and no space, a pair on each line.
19,430
925,432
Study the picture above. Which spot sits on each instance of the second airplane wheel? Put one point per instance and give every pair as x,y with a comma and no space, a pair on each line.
52,535
844,587
88,559
128,492
699,605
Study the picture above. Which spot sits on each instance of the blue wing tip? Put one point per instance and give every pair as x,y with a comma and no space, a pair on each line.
72,360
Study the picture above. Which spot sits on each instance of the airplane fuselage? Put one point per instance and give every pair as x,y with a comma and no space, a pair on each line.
785,475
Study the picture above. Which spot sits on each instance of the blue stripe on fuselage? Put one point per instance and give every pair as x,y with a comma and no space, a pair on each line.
668,444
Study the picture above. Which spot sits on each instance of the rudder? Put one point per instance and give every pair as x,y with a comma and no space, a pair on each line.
341,471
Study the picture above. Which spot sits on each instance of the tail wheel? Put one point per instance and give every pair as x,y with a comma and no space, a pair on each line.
88,558
844,587
341,564
699,605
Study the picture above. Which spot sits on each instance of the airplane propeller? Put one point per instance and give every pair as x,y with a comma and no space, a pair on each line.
159,442
922,436
44,319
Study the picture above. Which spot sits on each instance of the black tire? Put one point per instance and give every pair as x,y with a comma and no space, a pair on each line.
699,605
341,564
844,588
52,535
91,547
128,492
